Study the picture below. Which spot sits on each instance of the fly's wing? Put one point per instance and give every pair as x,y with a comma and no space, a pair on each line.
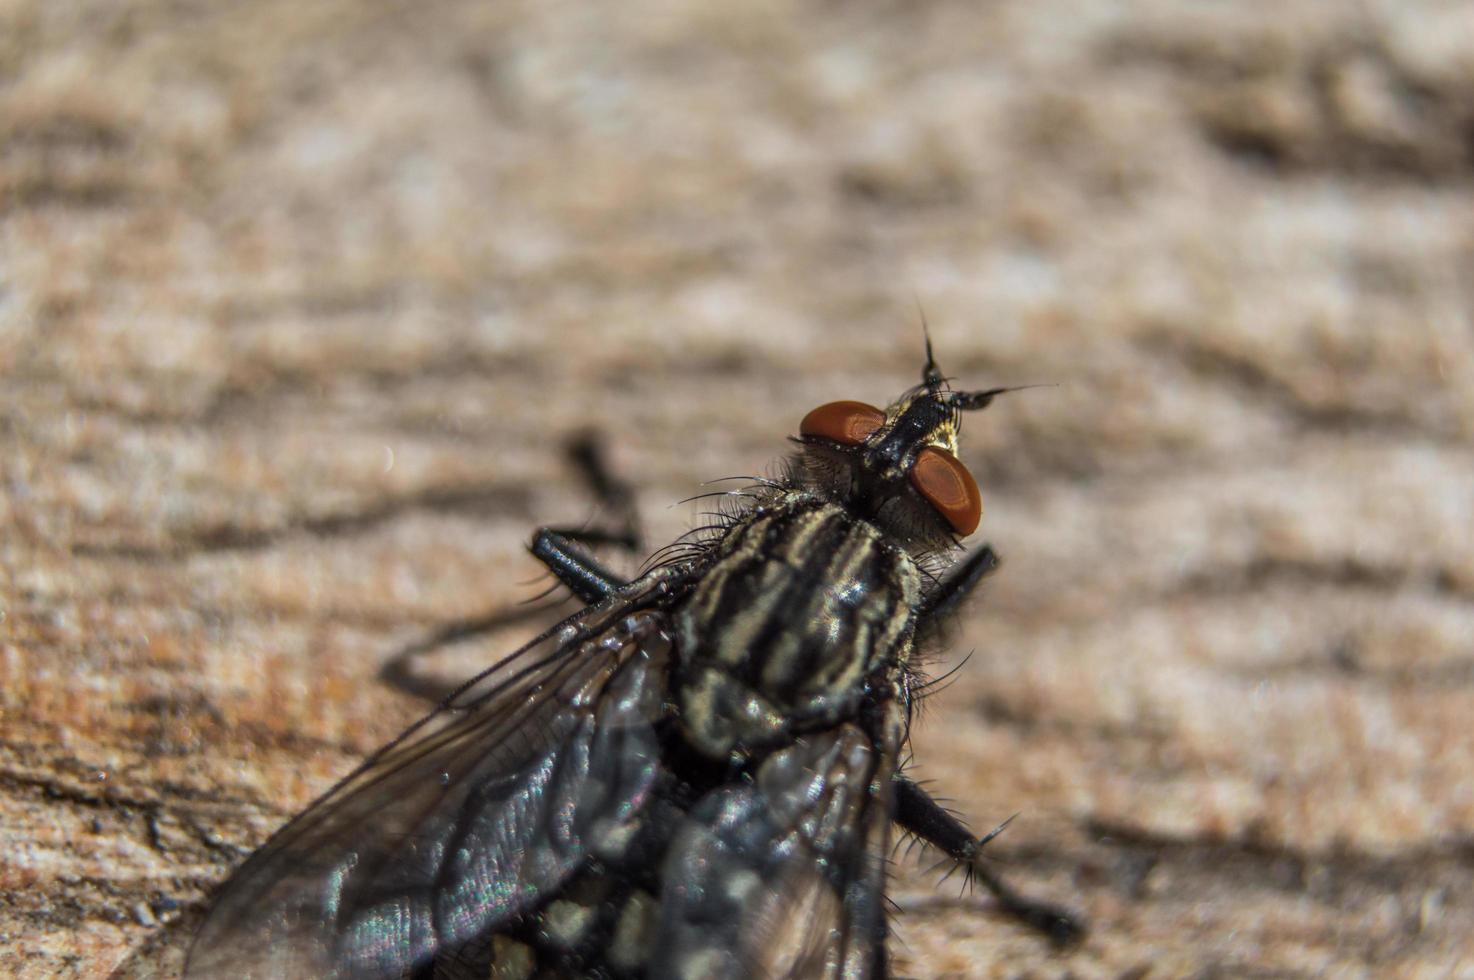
469,818
784,876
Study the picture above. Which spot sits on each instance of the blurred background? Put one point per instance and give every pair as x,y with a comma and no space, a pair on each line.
299,302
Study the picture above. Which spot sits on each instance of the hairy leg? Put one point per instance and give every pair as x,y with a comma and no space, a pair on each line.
918,813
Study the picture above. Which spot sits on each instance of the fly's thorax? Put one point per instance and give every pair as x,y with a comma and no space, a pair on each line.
803,603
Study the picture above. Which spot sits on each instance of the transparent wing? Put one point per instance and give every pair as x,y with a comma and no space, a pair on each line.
784,876
468,819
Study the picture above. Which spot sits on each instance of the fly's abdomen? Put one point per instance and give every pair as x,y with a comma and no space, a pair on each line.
779,636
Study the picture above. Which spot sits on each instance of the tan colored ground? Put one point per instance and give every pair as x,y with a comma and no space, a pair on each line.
298,299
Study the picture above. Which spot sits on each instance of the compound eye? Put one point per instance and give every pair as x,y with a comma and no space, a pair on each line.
946,484
847,423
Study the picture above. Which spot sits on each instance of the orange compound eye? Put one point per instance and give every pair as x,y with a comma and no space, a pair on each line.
847,423
946,484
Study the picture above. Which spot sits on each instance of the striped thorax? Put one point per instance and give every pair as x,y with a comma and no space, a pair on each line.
801,606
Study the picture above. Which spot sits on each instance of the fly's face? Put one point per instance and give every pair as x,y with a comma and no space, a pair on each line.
898,466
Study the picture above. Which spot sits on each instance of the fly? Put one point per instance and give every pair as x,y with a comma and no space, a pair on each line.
698,775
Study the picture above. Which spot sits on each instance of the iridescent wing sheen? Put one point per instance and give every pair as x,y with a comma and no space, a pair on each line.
473,816
784,875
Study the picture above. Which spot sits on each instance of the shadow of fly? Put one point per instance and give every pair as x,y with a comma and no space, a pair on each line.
698,775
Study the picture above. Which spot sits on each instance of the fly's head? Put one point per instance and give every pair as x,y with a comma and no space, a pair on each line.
897,467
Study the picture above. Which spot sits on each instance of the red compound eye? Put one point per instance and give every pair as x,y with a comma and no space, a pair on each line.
847,423
947,485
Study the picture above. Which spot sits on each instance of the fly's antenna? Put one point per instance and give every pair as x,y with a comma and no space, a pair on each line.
968,401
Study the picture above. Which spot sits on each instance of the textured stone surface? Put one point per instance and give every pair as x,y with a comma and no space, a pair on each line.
298,300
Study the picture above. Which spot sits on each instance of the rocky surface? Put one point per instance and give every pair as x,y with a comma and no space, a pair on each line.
299,301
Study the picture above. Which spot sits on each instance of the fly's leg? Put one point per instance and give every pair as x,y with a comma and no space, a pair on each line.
953,589
923,816
918,813
559,549
562,550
